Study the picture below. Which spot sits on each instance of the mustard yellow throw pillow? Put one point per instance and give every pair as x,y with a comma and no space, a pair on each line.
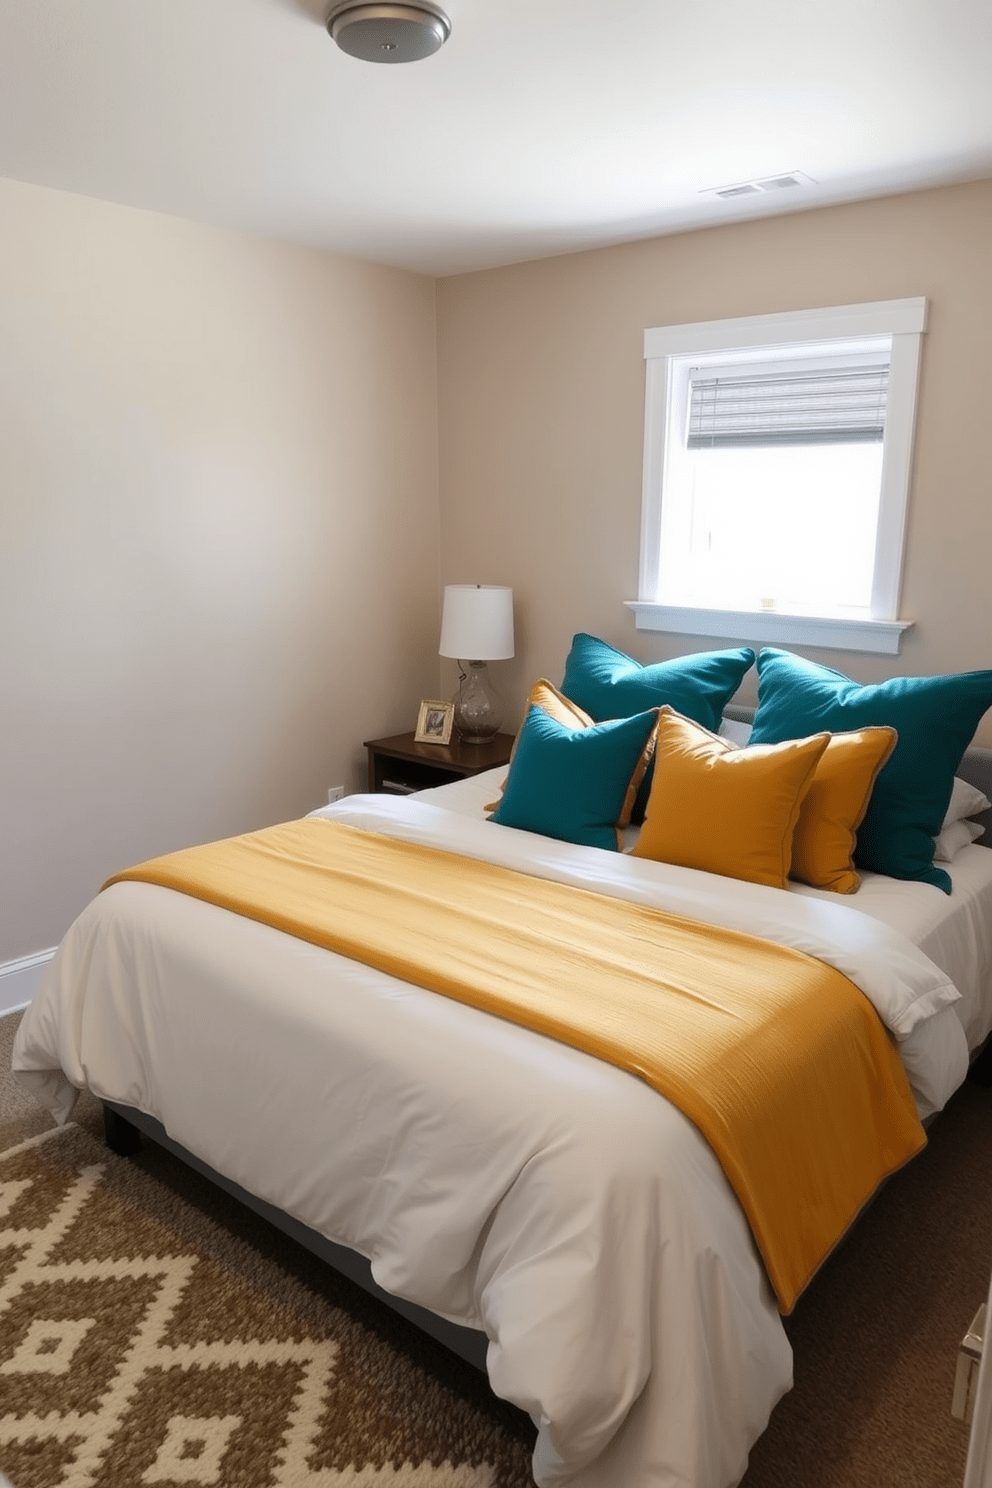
545,695
834,807
722,809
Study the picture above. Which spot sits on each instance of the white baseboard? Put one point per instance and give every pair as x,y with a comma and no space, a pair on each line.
19,978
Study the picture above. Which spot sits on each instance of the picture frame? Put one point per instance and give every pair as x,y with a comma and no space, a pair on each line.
434,722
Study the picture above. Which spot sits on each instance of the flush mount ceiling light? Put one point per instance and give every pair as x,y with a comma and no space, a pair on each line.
389,33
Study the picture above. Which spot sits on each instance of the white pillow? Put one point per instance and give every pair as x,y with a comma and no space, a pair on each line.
953,838
966,800
738,733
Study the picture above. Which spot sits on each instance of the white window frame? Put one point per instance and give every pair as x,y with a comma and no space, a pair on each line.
667,350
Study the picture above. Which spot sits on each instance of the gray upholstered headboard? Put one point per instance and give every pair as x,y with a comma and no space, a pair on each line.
975,767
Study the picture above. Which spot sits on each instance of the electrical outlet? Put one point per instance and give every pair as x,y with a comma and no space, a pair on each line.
334,793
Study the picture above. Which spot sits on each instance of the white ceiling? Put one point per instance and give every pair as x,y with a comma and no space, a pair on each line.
541,126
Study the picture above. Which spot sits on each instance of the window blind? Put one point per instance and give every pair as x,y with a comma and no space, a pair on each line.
840,405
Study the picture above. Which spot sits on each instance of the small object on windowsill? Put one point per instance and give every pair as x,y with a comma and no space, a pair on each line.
966,1374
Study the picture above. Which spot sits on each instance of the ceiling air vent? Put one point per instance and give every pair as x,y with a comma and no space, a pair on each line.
746,190
788,180
779,183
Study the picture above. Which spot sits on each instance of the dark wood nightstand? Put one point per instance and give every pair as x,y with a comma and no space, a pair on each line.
398,766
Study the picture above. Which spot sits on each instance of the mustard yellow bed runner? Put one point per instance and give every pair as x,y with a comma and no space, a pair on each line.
778,1059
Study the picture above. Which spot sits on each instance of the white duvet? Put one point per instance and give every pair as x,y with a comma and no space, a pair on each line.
503,1180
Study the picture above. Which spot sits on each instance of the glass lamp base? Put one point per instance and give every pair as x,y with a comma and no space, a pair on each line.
478,706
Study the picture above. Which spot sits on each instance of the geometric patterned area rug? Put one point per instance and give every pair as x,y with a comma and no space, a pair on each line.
143,1344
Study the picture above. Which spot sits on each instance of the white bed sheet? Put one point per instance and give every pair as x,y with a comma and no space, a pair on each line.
952,929
606,1257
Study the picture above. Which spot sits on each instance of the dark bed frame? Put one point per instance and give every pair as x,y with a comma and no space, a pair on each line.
126,1127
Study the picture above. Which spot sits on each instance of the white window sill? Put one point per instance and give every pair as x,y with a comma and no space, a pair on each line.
772,628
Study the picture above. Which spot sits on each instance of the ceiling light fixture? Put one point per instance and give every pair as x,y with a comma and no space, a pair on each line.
389,33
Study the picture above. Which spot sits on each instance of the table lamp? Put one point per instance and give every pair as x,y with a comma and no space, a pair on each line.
477,627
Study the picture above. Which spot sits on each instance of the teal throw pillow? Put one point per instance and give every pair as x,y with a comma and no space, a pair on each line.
576,784
935,719
608,684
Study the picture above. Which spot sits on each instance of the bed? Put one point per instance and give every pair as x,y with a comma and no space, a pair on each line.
545,1213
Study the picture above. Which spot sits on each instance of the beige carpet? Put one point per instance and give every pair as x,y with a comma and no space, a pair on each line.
257,1365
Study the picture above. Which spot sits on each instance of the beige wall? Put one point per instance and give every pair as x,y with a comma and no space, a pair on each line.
219,517
542,395
218,536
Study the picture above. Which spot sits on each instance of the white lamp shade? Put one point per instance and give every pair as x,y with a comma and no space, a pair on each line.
477,622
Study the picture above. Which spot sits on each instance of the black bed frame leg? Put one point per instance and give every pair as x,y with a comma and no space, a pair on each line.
121,1137
980,1069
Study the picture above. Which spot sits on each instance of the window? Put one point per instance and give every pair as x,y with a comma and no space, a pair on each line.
777,456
